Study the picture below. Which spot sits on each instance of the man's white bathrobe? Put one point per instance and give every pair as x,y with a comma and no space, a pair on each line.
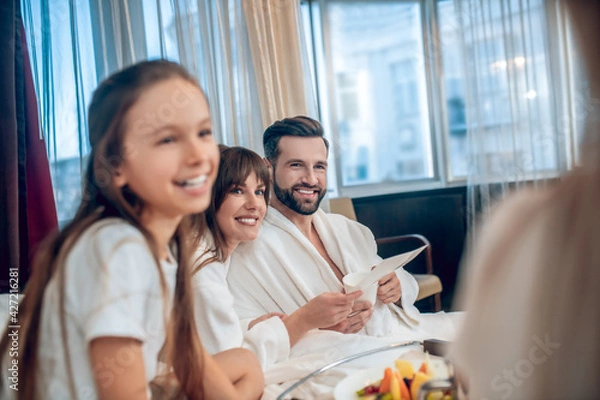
219,326
281,271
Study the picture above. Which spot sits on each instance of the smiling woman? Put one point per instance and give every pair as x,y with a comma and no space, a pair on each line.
239,201
244,206
241,213
238,206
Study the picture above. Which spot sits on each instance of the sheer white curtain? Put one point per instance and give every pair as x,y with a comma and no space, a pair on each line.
519,123
251,76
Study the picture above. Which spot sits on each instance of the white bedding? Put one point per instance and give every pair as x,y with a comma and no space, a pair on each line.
319,348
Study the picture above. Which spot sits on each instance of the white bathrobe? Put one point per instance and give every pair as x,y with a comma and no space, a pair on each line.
281,271
219,326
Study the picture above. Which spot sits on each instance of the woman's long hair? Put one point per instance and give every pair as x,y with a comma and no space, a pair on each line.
102,199
236,164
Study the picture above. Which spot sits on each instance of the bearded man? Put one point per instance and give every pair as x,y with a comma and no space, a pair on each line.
302,252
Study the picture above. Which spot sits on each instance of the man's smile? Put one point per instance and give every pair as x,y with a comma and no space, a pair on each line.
305,192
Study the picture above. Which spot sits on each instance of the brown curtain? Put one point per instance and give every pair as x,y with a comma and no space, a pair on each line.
27,208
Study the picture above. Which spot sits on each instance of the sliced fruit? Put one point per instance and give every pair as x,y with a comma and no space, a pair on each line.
385,382
424,368
395,388
368,390
405,368
404,392
418,381
437,395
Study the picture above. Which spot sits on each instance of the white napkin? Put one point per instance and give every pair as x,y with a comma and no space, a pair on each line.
388,265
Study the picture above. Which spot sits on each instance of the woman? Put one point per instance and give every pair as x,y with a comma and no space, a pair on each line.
533,306
239,204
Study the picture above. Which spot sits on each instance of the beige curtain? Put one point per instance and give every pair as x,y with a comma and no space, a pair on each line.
279,54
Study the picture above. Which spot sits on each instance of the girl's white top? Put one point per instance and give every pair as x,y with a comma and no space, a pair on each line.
112,289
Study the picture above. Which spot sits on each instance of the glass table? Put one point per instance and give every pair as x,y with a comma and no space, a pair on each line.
434,347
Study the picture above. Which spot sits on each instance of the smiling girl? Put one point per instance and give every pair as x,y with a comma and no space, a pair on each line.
96,319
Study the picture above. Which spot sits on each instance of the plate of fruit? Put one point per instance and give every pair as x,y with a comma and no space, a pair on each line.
401,380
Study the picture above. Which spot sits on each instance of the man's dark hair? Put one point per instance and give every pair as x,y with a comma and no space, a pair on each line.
299,126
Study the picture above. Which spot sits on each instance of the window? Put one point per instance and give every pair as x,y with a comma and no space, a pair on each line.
508,68
380,112
395,126
390,76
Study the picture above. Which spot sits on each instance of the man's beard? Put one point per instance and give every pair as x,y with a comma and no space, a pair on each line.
286,197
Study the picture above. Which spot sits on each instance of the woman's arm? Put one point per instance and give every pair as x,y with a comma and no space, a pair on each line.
118,365
119,372
236,366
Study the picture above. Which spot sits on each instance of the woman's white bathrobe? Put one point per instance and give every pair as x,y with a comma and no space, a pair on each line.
219,326
281,271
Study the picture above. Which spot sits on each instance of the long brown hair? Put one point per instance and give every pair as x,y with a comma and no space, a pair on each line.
236,164
101,198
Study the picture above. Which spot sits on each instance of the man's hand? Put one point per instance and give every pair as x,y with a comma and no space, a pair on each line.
361,314
389,290
329,308
325,310
264,318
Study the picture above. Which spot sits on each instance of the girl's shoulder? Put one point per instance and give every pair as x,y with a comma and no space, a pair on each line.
111,257
113,225
111,232
107,239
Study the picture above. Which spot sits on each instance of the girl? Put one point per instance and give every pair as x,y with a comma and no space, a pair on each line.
239,204
96,317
